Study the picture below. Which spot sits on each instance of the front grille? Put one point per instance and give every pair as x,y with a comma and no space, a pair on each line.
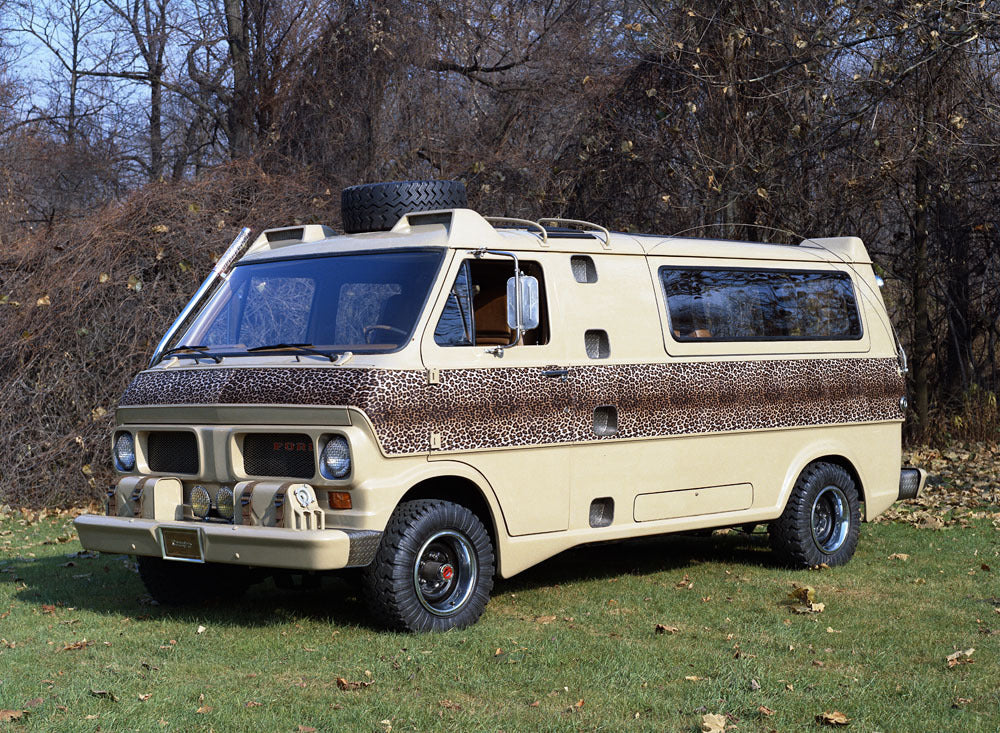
175,451
278,454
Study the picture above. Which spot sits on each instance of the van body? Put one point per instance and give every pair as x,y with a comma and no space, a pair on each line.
458,397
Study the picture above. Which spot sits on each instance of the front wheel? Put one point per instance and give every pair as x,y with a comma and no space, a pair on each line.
433,570
822,518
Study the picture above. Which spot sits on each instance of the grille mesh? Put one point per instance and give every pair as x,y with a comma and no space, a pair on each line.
175,451
278,454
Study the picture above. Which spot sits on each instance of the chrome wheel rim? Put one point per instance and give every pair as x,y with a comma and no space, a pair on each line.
830,519
445,572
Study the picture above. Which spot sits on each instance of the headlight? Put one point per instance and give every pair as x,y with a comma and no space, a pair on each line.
124,452
201,502
335,462
224,503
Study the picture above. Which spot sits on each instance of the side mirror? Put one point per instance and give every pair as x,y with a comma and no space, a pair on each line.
526,287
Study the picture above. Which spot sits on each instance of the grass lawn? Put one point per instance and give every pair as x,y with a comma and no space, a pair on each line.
569,645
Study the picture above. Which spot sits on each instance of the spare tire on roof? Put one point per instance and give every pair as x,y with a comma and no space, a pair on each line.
376,207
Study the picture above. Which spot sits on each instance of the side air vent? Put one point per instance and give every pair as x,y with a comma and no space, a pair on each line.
597,344
583,269
605,420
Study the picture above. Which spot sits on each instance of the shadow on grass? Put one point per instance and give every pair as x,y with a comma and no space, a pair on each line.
109,585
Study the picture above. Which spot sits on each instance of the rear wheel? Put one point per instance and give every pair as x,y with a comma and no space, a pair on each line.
433,570
822,519
173,583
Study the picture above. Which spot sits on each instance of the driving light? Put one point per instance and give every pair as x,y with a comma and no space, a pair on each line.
201,502
124,452
224,503
335,462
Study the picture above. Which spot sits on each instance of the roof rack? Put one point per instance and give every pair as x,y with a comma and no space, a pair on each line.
584,226
527,223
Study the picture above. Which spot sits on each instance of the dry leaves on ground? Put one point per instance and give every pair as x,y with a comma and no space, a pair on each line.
712,723
834,718
805,595
960,657
347,686
664,629
963,483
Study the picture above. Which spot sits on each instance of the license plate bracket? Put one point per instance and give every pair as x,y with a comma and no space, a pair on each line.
181,543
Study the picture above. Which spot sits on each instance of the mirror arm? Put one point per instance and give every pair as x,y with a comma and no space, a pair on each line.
498,350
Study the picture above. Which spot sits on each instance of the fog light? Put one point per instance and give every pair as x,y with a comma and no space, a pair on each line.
340,500
224,503
124,452
335,462
201,502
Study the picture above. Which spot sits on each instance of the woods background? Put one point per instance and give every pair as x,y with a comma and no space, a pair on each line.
137,137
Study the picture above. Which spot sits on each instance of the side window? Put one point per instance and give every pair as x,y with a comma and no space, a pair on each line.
475,313
714,304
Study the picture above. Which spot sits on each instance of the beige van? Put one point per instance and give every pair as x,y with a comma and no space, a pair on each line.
438,397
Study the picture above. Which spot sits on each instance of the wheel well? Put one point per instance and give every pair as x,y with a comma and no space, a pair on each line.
849,467
460,491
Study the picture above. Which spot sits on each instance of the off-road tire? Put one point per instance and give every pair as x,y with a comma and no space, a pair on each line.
173,583
391,585
792,535
376,207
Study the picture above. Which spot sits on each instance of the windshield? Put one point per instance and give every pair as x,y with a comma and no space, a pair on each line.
355,302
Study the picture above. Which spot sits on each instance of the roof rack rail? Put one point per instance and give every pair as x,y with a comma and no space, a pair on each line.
586,226
523,222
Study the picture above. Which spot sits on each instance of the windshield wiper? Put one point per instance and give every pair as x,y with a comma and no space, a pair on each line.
177,351
304,348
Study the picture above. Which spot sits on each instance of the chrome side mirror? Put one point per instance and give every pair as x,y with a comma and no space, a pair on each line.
522,303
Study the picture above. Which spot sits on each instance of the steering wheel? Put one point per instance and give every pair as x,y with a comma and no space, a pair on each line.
369,330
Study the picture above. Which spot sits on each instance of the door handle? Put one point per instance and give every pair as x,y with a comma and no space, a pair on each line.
554,373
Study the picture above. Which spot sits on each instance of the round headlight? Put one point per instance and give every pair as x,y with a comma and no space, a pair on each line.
124,452
224,503
335,462
201,502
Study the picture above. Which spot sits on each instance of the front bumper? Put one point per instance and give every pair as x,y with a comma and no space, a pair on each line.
274,547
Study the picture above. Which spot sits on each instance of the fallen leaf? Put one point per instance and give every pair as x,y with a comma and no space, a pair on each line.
664,629
694,678
961,657
899,556
46,608
103,277
449,704
834,718
308,729
348,686
82,644
105,693
535,704
253,704
711,723
44,300
204,709
34,702
766,711
143,698
8,715
201,630
961,701
754,685
544,619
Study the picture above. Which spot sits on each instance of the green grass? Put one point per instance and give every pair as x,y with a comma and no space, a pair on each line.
578,627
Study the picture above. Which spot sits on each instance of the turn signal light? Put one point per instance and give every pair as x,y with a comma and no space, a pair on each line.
340,499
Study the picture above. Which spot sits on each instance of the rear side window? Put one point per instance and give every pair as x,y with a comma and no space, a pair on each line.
715,304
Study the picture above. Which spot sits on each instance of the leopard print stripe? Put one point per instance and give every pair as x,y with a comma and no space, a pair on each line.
519,406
